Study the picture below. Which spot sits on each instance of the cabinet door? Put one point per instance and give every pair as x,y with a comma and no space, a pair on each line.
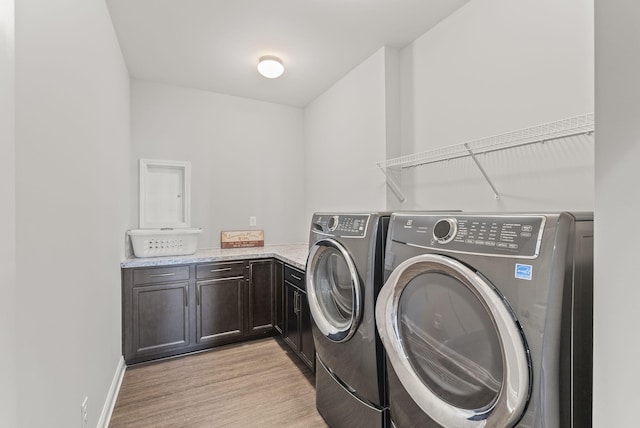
291,332
278,289
261,297
219,309
307,348
160,315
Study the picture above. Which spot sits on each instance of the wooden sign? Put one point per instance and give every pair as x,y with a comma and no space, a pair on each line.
242,238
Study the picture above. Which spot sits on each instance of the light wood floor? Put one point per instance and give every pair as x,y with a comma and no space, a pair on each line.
252,384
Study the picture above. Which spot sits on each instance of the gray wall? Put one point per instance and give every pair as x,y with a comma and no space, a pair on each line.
246,158
345,135
72,184
486,69
8,358
73,189
496,66
617,204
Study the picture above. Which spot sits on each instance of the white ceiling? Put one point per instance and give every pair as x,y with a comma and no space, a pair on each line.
215,44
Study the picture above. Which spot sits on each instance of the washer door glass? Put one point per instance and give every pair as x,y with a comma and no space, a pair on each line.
454,343
333,289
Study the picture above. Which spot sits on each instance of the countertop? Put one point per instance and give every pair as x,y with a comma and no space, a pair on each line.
292,254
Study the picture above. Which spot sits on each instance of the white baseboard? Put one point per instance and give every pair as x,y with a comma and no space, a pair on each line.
112,396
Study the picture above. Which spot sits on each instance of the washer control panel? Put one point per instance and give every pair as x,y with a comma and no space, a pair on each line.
509,235
350,225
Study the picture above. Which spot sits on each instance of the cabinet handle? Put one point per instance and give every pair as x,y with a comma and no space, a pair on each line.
186,296
209,281
198,295
220,270
157,275
296,277
296,302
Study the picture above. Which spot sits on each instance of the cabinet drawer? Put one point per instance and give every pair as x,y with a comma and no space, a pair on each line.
160,274
219,270
294,276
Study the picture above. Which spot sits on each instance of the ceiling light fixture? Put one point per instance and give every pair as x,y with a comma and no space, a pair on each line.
270,66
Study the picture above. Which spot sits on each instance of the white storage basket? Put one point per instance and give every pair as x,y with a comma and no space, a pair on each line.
164,242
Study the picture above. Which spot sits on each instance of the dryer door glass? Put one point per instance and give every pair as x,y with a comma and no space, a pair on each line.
450,341
333,289
454,343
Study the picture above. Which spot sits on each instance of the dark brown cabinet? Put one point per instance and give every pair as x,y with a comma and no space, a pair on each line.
278,285
156,312
307,349
297,318
260,302
220,302
172,310
162,321
291,332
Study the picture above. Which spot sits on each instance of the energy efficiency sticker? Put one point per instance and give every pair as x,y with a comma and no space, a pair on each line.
524,271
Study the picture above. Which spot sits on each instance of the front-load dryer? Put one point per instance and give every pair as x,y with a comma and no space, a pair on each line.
486,320
344,274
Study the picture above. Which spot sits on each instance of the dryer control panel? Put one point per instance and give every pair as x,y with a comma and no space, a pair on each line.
512,235
345,225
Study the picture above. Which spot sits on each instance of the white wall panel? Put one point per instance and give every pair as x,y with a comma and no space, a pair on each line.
617,204
493,67
246,158
8,334
345,136
72,184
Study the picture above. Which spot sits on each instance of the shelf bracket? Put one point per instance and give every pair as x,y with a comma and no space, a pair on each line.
484,173
392,184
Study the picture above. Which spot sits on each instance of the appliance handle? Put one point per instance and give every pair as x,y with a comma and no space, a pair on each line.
159,275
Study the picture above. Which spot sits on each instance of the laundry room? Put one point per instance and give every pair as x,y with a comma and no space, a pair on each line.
459,134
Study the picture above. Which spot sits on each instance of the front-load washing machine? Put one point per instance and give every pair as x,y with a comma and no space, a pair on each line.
344,274
486,319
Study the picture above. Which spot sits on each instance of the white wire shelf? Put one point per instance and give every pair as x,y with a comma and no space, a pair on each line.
573,126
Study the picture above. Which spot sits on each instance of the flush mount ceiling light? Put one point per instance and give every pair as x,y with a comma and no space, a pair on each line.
270,66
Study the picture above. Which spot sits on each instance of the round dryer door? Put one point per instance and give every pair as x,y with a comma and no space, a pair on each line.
454,343
333,290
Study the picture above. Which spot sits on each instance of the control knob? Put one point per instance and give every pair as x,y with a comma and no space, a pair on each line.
333,223
445,230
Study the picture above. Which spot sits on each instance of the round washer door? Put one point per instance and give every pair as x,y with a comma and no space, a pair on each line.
333,290
454,344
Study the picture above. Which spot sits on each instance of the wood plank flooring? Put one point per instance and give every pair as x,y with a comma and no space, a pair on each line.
251,384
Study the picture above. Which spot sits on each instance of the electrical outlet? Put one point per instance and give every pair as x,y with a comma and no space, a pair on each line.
252,221
84,413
